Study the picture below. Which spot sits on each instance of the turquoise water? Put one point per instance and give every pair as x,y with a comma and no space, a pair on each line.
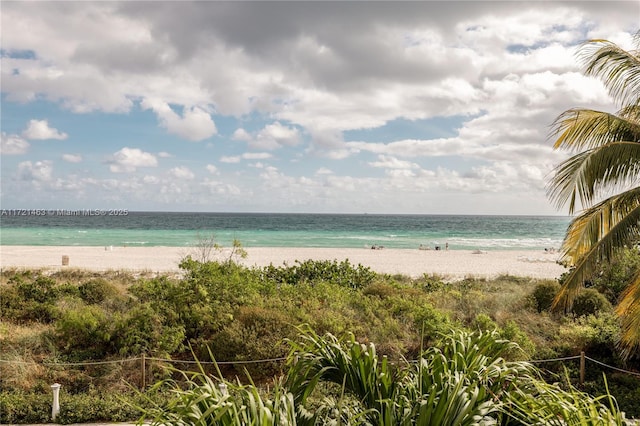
285,230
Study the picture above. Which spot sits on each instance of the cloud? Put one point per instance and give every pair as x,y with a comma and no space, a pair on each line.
212,169
256,156
388,162
127,160
230,159
276,135
246,156
323,171
241,135
194,125
270,137
72,158
163,154
181,172
150,179
38,172
13,145
40,130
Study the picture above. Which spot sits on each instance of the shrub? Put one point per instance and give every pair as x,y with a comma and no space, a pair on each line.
431,283
381,290
342,273
29,299
543,295
511,331
141,330
84,332
41,290
106,406
430,322
483,322
256,333
96,291
589,302
94,407
615,275
597,334
20,407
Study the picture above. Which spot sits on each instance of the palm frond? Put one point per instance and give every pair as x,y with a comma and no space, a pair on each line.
588,174
630,112
595,236
580,128
618,68
628,310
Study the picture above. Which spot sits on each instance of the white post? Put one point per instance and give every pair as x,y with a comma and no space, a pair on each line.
55,408
223,388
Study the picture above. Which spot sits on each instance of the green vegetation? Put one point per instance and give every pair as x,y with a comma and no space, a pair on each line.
465,382
606,162
229,313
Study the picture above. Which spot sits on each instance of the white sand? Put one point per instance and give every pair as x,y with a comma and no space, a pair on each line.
451,264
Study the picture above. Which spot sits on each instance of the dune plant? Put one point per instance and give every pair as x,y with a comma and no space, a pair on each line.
541,403
200,399
465,382
462,383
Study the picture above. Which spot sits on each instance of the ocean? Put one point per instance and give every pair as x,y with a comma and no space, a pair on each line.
143,229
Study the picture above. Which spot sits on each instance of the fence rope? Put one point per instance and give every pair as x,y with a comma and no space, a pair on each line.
69,364
261,361
257,361
633,373
534,361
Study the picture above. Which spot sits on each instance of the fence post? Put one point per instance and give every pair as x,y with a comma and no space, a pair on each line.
582,368
144,370
55,406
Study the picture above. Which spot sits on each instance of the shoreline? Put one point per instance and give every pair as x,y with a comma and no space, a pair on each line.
450,264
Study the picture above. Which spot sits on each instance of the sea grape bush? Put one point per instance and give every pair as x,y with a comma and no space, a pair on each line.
29,299
543,295
589,302
84,332
342,273
96,290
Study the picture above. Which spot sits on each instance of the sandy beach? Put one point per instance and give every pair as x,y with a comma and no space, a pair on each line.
451,264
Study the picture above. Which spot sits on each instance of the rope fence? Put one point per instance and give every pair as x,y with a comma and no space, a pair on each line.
144,359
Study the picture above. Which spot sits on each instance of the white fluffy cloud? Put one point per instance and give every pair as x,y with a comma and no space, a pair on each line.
195,124
127,160
13,145
388,162
272,136
212,169
246,156
40,130
181,172
39,171
72,158
230,159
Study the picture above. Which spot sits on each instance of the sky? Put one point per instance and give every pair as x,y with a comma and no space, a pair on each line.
295,106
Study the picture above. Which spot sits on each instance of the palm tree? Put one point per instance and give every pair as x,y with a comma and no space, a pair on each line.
603,175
